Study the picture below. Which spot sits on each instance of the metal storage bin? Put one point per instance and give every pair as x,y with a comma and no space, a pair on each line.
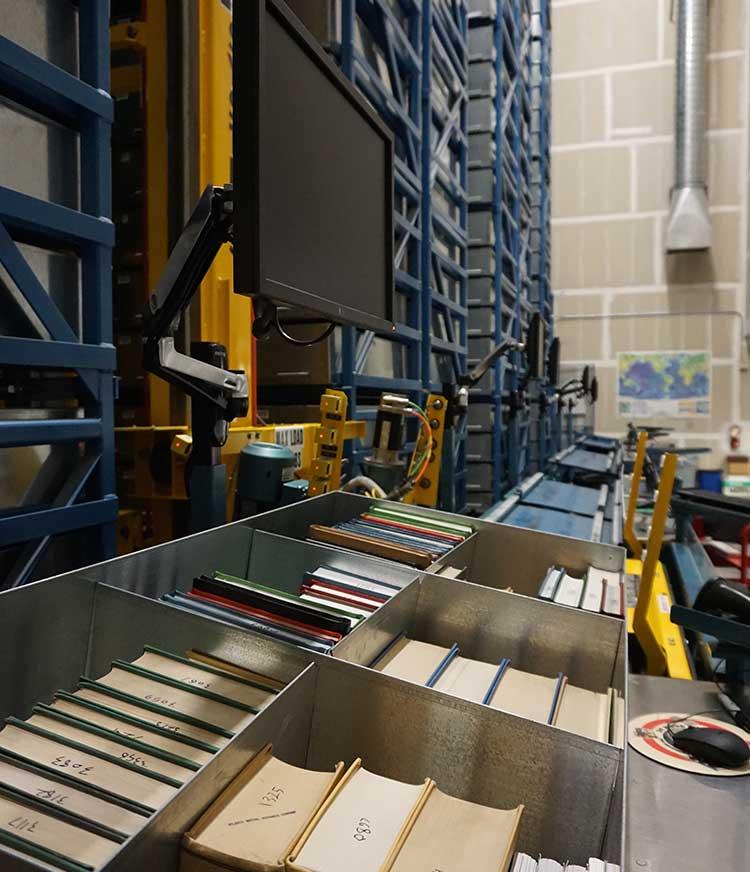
501,556
481,185
479,446
482,79
481,259
481,149
480,417
481,227
331,711
480,475
488,625
94,624
238,549
481,321
478,502
481,43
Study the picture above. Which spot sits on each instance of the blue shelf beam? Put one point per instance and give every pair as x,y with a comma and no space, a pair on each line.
82,445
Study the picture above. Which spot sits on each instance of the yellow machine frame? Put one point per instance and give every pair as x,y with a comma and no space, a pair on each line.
650,621
426,492
220,315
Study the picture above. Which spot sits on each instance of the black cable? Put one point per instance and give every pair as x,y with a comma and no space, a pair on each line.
690,717
302,342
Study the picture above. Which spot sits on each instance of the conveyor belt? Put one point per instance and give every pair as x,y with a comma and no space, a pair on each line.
600,443
590,461
550,521
564,497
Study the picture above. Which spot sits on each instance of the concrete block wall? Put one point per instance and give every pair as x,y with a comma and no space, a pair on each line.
612,156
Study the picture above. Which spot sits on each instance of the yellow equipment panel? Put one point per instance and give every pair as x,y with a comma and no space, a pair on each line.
667,634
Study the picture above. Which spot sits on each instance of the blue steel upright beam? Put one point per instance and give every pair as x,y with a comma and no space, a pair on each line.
86,499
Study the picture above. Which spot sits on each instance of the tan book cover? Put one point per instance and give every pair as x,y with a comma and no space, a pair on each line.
39,785
467,679
525,694
193,676
110,746
48,832
86,768
132,731
255,822
452,835
234,669
584,712
183,701
178,727
363,821
411,660
617,727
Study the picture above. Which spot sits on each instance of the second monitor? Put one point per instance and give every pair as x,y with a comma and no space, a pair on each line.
313,176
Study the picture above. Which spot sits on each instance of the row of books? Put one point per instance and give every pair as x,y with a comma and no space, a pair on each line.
598,590
394,533
275,815
599,716
82,774
329,604
524,863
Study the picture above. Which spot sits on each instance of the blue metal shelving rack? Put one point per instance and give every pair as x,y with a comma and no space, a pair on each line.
509,264
445,213
380,50
541,258
80,466
409,58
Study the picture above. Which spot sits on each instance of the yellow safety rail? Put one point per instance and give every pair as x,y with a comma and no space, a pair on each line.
660,639
631,539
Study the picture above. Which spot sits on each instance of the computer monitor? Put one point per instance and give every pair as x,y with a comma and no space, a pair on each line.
313,176
535,351
553,362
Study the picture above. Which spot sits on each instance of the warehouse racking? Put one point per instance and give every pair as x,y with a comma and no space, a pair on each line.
509,248
409,59
56,238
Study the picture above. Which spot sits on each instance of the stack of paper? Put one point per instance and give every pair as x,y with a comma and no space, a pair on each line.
395,533
82,774
549,700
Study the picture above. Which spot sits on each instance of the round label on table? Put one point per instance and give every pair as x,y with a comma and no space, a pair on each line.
648,735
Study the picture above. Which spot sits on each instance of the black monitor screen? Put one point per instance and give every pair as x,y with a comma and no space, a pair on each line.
313,176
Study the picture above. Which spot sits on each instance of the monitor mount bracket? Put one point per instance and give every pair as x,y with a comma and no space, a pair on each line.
218,395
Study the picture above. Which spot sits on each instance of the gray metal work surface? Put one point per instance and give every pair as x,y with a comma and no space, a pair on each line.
675,821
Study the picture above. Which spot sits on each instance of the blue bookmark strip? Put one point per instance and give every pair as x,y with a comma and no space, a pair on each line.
556,697
379,657
443,665
501,670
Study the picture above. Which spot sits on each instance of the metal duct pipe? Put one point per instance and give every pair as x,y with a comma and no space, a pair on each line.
689,226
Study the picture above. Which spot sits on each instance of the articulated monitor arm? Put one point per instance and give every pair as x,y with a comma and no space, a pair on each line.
473,377
210,226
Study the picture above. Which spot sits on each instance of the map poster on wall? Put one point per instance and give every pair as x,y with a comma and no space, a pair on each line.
663,384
